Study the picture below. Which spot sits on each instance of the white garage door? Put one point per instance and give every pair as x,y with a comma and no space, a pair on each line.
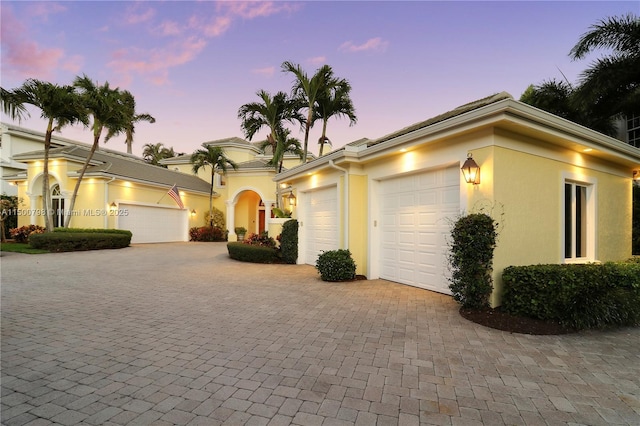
320,222
415,224
153,224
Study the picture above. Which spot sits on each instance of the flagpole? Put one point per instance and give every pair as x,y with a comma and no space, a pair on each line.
158,202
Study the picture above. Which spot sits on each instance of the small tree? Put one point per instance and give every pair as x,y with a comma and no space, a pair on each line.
471,258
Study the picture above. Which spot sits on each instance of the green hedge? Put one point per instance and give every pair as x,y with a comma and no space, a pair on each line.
252,253
93,231
579,296
289,241
79,241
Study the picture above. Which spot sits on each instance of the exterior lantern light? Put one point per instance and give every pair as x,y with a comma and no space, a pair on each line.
112,206
471,170
636,175
292,199
193,212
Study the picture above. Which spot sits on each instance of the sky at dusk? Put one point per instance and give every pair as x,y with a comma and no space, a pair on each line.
192,64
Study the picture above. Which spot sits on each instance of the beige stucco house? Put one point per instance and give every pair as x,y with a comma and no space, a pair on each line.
122,191
562,193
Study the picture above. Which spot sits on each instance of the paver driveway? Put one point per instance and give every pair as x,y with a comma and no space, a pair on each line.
179,334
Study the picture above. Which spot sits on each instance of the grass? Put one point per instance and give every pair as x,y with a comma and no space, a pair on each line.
20,248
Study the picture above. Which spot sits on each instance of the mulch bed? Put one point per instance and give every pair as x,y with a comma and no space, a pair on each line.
500,320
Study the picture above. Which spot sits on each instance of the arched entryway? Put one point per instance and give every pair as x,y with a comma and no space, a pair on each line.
248,208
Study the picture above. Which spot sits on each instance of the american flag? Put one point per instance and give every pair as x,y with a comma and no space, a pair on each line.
173,193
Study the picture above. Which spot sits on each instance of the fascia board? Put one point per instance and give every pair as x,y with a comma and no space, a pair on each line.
140,181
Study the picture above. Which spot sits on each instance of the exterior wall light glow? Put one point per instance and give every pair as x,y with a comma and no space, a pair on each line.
112,206
292,199
471,170
193,212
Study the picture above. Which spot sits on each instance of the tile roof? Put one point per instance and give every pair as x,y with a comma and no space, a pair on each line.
444,116
125,167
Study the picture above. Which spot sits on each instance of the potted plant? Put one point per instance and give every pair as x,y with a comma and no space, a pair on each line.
240,232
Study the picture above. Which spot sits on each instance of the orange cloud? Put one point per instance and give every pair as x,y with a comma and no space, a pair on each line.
21,56
373,44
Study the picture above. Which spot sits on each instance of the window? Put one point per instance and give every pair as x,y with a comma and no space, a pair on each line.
633,130
57,204
579,221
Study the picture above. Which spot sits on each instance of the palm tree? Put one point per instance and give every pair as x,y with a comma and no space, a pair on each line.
108,111
308,90
611,84
60,106
273,112
215,158
335,102
153,153
132,118
284,145
12,105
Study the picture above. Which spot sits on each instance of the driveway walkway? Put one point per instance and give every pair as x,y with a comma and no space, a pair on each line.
177,334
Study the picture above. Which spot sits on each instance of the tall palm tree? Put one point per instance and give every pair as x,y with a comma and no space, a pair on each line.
132,118
273,112
215,158
60,106
308,89
611,84
108,111
153,153
335,102
12,105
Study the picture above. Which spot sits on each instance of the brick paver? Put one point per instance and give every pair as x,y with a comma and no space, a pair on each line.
180,334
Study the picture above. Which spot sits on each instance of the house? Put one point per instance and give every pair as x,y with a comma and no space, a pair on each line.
247,195
562,193
122,191
118,191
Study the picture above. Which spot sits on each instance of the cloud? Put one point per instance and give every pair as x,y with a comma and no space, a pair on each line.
254,9
44,9
218,26
373,44
137,14
318,60
267,71
21,56
73,64
169,28
155,63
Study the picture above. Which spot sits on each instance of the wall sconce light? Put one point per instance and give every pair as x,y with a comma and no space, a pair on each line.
471,170
193,212
113,205
292,199
636,175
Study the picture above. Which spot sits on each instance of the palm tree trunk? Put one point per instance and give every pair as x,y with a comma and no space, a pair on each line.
46,194
323,137
306,135
213,173
96,140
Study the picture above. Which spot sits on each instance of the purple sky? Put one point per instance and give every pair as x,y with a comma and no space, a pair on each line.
193,64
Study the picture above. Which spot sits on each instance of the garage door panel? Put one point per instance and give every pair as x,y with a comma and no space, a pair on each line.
154,224
417,230
321,219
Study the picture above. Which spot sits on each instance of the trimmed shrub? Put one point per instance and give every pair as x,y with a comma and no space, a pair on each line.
471,258
579,296
207,233
252,253
336,265
79,241
93,231
635,227
218,219
289,241
21,235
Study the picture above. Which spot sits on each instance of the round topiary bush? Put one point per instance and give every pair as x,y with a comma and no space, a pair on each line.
336,265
